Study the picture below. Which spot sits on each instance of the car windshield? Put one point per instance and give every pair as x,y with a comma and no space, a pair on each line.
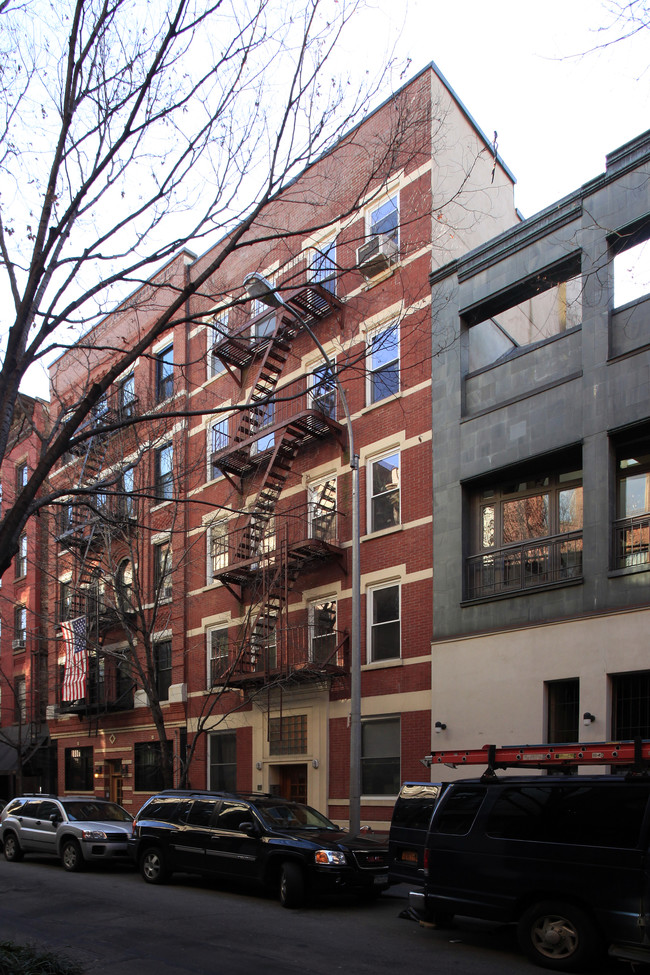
280,814
98,812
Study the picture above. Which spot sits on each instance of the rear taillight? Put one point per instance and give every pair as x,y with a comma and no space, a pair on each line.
426,861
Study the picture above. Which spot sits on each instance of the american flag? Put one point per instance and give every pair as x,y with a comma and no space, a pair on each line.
76,659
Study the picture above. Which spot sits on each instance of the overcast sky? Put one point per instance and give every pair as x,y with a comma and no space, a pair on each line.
516,66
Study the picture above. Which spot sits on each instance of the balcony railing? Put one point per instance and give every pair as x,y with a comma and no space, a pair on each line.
519,568
632,541
301,651
306,531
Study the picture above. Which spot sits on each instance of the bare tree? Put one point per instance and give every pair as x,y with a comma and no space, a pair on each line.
132,130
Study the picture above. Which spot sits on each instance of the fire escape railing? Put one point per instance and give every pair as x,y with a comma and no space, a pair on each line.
302,650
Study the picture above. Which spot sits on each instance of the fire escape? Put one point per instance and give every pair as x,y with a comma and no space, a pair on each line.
269,546
86,522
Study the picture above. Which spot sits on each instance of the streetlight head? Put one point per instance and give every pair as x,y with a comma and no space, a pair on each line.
257,286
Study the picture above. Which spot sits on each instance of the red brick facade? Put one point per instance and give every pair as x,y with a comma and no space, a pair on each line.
250,628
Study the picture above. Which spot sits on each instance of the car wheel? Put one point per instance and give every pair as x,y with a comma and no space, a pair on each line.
558,935
292,885
153,867
13,851
71,856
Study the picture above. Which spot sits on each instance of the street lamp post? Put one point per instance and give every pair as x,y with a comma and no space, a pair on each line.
257,286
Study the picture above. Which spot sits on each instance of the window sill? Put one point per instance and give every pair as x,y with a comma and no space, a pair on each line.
516,593
377,664
381,402
393,530
628,570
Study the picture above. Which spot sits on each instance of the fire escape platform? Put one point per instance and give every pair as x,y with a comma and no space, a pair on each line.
303,428
312,303
301,553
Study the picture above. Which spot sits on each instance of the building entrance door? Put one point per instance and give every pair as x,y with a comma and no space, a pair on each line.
116,783
293,782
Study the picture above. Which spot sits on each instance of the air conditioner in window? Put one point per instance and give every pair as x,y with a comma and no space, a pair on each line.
376,255
17,644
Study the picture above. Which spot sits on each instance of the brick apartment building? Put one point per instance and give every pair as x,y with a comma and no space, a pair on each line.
25,760
541,474
211,567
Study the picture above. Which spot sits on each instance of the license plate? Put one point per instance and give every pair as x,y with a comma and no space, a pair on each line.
410,856
382,881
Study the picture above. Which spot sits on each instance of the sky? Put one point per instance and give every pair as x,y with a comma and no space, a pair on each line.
536,73
521,68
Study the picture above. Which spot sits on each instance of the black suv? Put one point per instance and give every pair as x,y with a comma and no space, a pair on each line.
564,857
281,844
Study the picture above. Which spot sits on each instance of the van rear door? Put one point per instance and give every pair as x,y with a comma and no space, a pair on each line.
408,831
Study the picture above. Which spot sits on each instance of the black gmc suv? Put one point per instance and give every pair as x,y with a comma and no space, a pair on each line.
264,839
566,858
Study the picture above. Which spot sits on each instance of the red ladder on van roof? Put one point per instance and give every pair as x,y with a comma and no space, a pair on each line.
635,752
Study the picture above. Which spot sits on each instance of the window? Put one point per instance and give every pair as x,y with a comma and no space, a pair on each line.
632,527
288,735
218,328
217,655
322,630
217,440
217,539
265,324
20,699
22,475
150,766
323,391
563,715
529,533
631,265
20,626
79,769
384,219
383,363
385,492
321,500
21,556
163,570
164,473
65,601
610,814
165,373
124,584
544,306
384,616
323,266
162,653
126,396
223,761
380,757
631,705
126,501
260,417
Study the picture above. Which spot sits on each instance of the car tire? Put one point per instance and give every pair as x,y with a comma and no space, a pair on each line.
12,848
153,867
292,885
559,935
71,856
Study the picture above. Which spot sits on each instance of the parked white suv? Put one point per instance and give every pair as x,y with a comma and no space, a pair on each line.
74,828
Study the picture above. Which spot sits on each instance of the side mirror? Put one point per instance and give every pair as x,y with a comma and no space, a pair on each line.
248,827
55,818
